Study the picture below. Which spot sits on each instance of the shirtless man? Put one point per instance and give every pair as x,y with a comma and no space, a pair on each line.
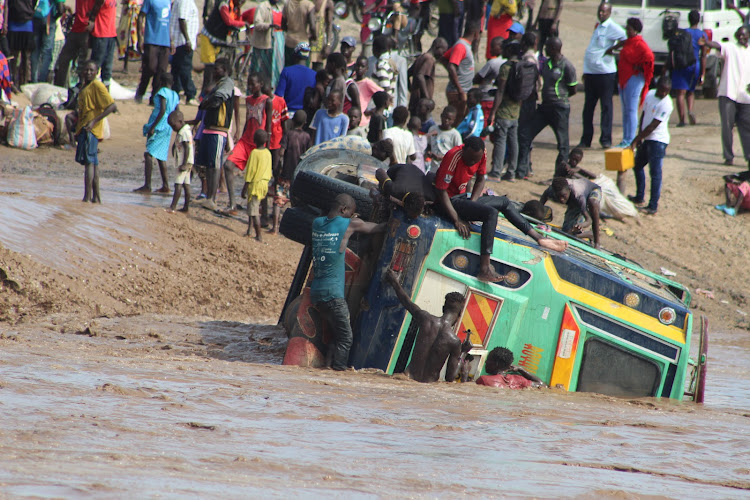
436,340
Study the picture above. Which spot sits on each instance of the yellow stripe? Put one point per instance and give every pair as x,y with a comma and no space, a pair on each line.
616,309
485,307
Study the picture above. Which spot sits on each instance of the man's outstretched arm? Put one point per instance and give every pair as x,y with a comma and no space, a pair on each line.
410,306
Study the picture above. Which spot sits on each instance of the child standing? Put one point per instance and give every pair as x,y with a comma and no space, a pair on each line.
257,175
443,137
403,140
331,123
355,117
382,101
94,104
183,151
293,145
420,142
473,123
159,133
425,107
259,109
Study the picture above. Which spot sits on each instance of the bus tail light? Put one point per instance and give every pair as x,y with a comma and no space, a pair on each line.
567,346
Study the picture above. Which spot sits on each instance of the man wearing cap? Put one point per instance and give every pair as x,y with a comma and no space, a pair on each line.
516,31
348,44
600,77
295,78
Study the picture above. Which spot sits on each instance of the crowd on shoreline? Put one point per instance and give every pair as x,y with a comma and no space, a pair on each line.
524,87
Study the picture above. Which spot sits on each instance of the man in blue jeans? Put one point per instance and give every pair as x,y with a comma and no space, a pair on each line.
45,14
330,237
652,142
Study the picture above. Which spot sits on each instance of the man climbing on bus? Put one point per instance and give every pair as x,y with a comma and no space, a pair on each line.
436,340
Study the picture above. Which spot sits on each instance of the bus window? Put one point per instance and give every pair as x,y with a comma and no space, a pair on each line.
674,4
712,5
627,3
611,370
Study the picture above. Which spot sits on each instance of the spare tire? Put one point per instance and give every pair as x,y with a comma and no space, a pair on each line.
319,191
296,224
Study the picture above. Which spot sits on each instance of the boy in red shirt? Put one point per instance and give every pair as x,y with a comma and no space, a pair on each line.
500,361
258,108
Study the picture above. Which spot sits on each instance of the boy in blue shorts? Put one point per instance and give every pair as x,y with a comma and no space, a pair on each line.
94,104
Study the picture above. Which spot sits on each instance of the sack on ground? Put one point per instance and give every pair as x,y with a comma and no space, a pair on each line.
21,132
43,130
613,202
49,113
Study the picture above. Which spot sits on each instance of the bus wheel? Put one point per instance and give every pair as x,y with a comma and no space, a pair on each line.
702,361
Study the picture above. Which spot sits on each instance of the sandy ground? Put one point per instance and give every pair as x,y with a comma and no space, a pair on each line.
116,314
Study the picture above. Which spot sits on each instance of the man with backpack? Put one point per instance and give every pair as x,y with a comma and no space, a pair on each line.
558,84
687,62
506,109
600,77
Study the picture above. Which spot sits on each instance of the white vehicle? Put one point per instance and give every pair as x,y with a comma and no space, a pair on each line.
717,20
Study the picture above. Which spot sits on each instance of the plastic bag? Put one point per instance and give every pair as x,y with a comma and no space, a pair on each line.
613,202
21,129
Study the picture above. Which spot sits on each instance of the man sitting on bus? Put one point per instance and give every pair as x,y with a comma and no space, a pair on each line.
499,362
436,340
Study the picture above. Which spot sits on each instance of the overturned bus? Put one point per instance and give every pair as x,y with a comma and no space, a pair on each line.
584,320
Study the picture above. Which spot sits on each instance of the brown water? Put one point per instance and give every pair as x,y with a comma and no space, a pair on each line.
213,415
167,406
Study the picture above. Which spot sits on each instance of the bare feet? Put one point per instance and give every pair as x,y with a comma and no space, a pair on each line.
273,231
169,210
259,239
553,244
489,276
162,190
184,210
143,189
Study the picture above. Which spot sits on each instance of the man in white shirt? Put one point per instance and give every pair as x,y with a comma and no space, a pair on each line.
600,77
734,99
184,25
402,139
654,135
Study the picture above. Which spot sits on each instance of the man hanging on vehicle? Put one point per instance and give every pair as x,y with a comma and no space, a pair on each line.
436,340
330,237
458,167
413,189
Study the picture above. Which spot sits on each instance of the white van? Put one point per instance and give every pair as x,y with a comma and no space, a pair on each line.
717,21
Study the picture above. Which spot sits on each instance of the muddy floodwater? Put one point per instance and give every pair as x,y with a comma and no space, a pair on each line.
144,405
156,406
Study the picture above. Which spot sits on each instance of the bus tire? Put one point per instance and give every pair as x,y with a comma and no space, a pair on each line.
296,225
319,191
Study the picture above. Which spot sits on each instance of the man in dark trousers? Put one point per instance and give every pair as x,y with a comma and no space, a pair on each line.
458,167
558,84
330,237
